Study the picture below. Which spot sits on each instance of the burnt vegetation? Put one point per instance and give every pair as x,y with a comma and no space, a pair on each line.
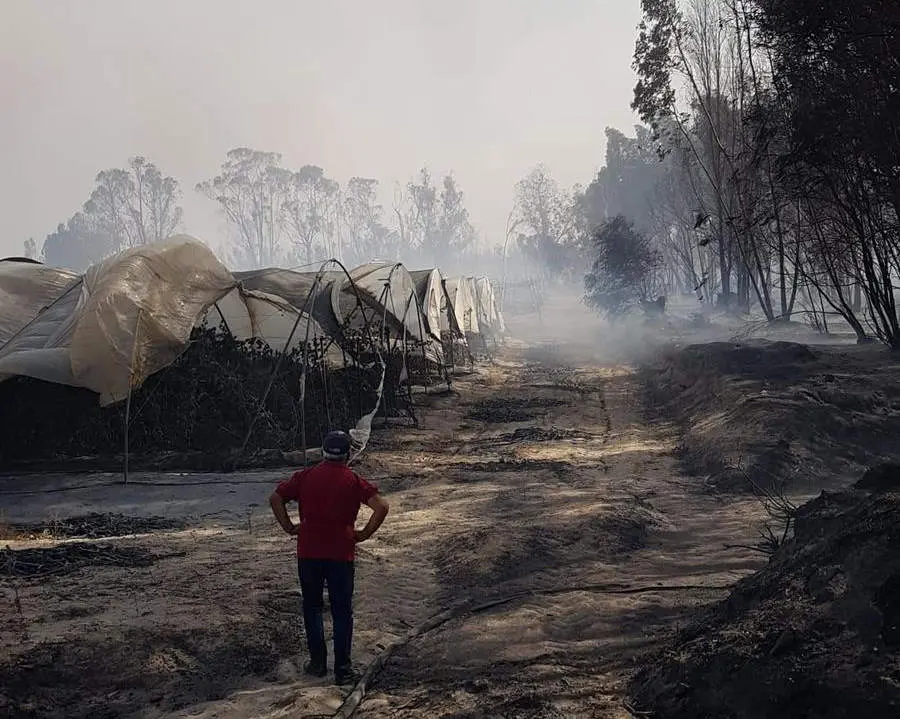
780,158
206,402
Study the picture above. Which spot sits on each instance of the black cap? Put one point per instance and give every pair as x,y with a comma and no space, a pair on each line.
336,445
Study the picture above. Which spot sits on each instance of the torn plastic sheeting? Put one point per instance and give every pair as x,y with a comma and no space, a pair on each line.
360,434
309,292
489,311
128,317
465,303
251,314
390,294
26,291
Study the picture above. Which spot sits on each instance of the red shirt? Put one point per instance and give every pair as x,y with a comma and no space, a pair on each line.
330,495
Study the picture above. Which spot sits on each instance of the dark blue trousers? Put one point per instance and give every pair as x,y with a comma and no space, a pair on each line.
315,574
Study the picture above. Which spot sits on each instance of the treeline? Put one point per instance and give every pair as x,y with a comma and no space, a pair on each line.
130,206
274,215
300,217
279,216
766,178
776,181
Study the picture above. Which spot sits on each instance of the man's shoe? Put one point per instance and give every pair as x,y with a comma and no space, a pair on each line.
346,676
314,669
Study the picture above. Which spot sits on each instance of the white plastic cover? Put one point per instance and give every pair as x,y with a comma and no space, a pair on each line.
124,319
26,290
489,314
306,291
250,314
432,302
390,294
465,303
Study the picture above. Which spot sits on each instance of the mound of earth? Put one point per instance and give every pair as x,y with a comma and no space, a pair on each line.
779,411
815,634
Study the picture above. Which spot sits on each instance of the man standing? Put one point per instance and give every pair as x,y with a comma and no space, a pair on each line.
329,497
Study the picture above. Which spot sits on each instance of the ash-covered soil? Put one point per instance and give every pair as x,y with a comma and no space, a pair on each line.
546,476
778,412
815,634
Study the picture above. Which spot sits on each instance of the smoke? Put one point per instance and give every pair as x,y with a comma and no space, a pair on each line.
567,332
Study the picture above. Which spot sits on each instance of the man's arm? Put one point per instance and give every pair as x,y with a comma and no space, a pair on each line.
277,502
379,507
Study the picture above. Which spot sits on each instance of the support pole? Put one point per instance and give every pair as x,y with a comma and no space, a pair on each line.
134,346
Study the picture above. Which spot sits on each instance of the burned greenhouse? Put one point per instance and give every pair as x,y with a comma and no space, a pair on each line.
161,350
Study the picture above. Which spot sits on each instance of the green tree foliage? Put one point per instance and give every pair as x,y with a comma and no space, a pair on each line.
655,59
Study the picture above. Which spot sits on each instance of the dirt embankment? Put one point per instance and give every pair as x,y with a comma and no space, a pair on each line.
809,417
815,632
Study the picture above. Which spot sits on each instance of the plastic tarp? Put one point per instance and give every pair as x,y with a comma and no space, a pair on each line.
249,314
464,300
489,315
309,292
124,319
389,293
26,290
433,301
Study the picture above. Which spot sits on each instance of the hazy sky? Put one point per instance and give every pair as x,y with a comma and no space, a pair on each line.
378,88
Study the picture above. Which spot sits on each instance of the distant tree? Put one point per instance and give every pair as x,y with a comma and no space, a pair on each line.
76,244
545,216
433,220
366,236
310,212
136,205
251,190
457,235
627,184
423,216
400,207
30,249
624,270
656,192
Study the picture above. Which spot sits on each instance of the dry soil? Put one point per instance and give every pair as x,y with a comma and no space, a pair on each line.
550,480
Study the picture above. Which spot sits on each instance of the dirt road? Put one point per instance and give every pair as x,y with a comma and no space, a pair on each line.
538,478
552,481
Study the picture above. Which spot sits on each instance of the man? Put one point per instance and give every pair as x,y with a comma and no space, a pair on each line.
329,497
